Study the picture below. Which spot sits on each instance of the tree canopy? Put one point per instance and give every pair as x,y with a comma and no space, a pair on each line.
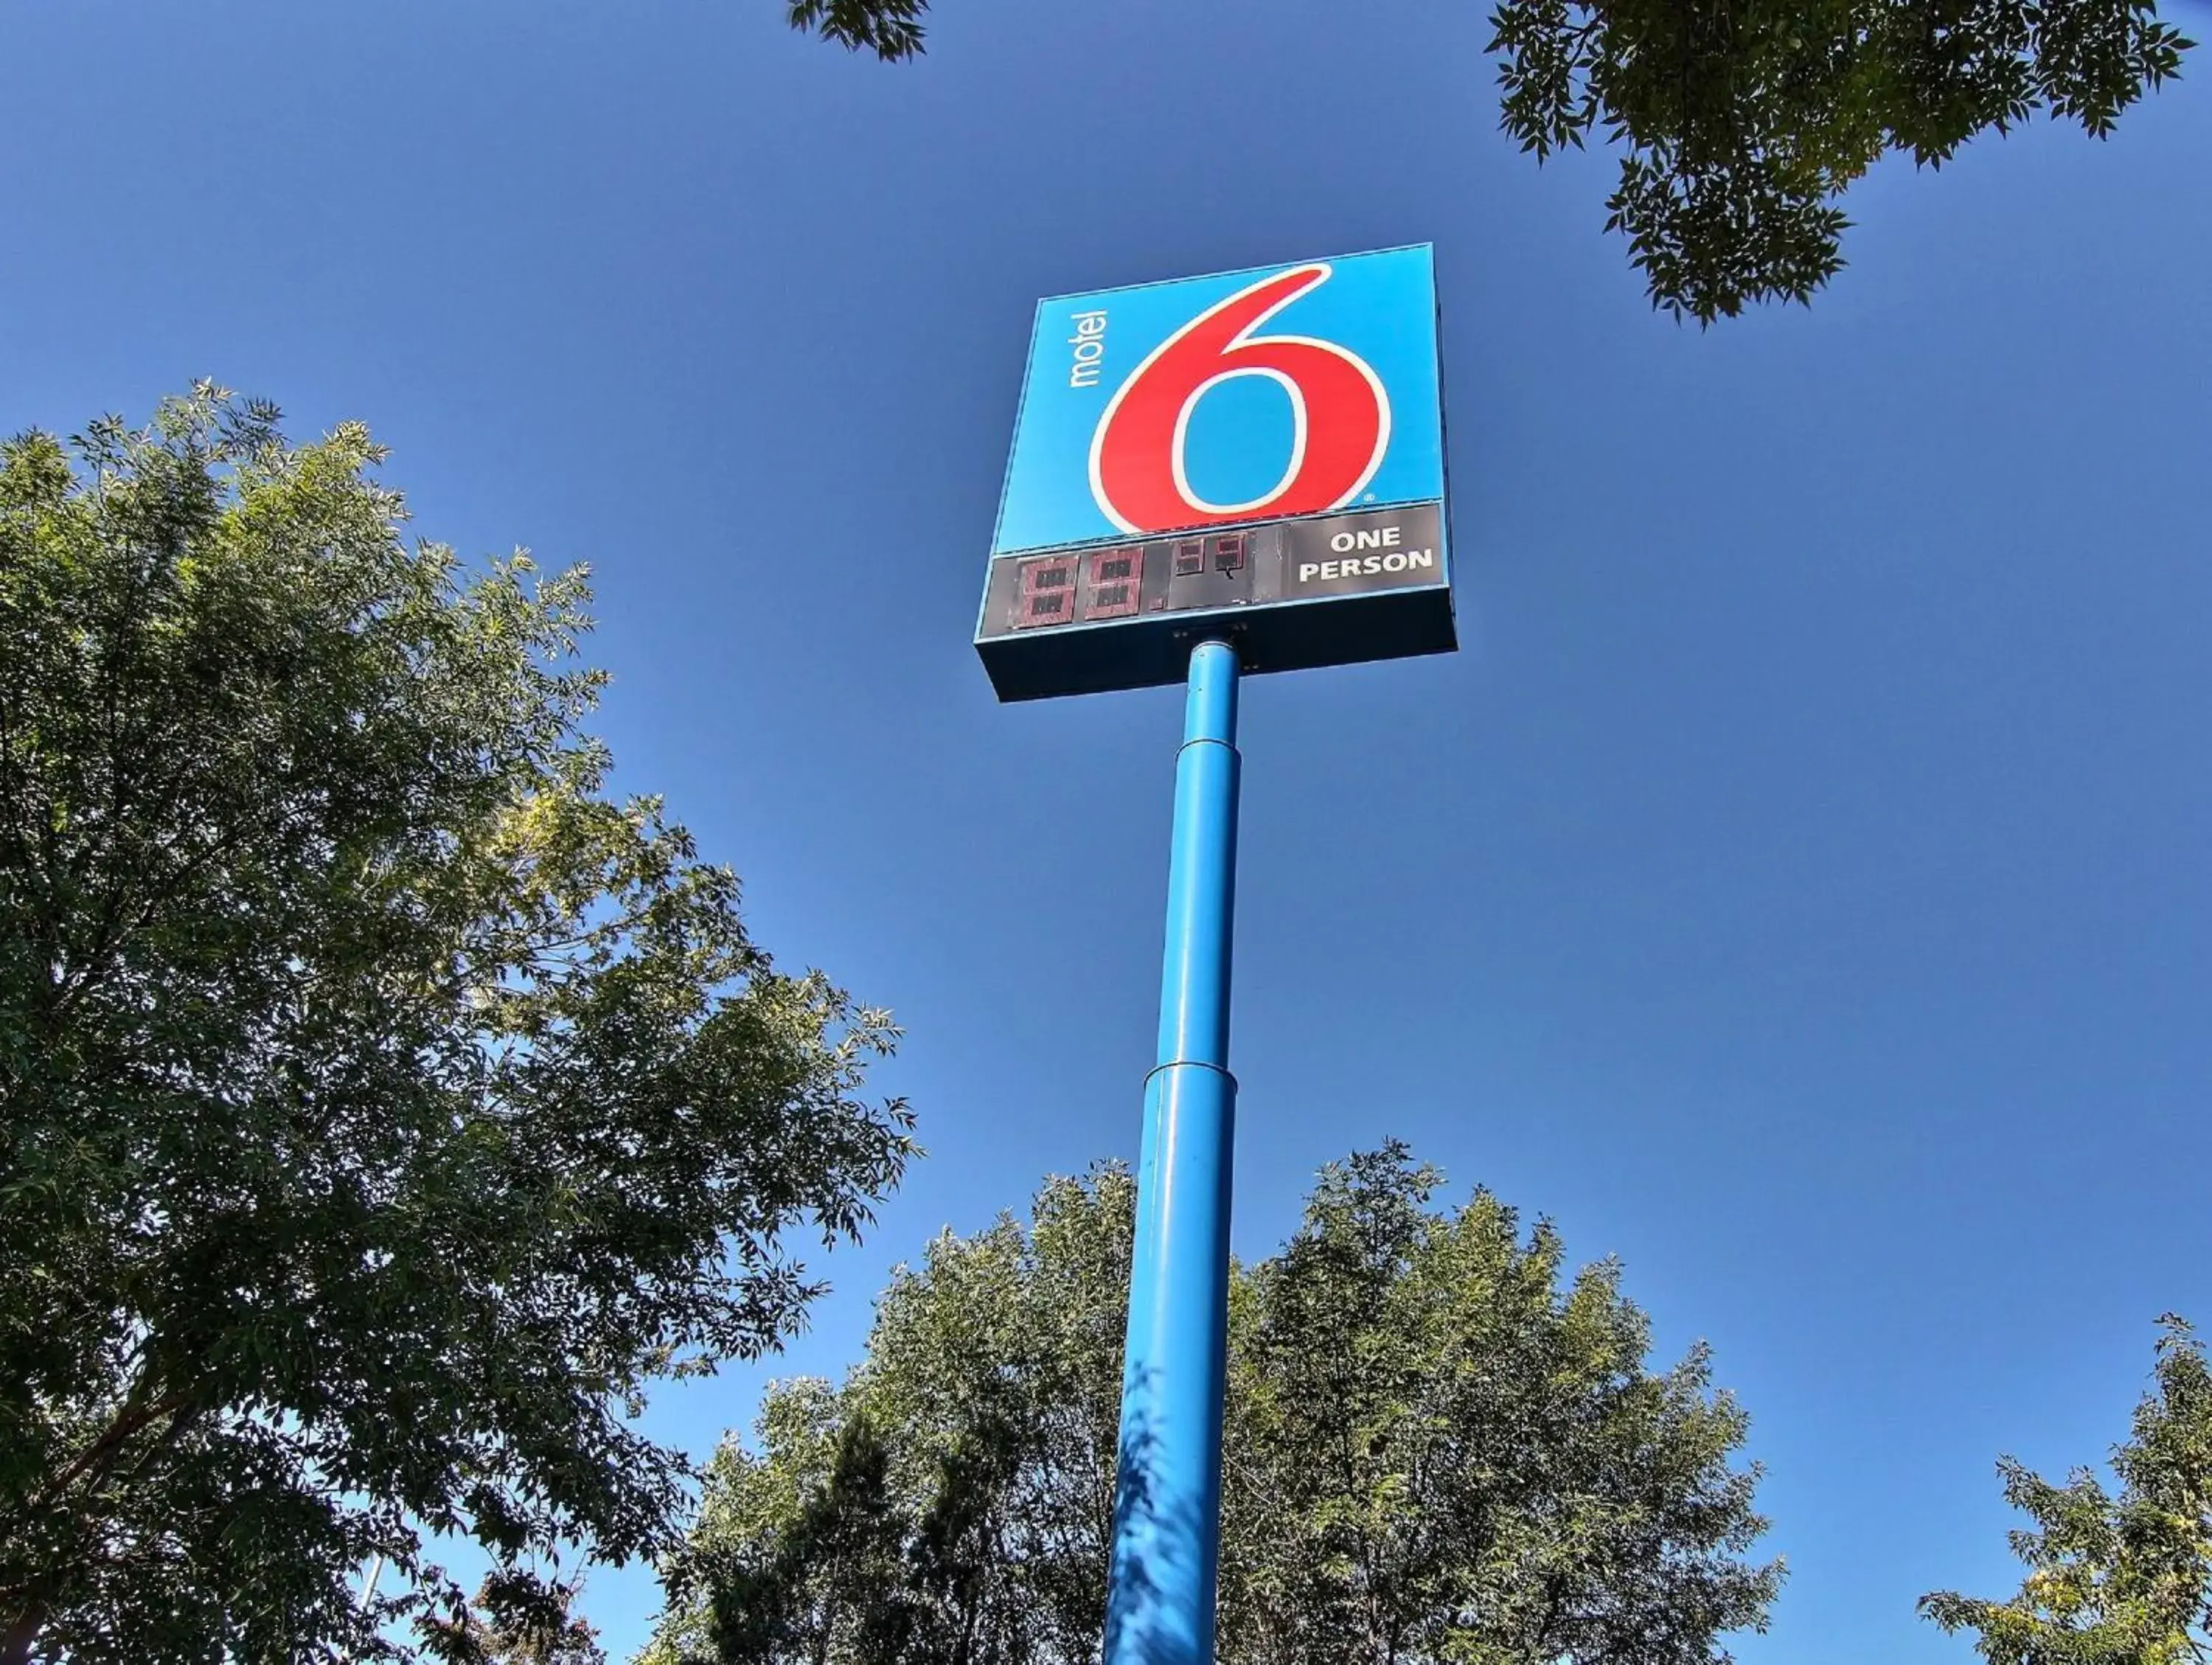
1439,1448
520,1617
1740,123
2121,1579
383,1107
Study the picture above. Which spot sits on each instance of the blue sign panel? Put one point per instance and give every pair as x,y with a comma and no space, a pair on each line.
1213,455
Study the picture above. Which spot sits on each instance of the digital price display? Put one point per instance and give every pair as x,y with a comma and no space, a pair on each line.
1256,455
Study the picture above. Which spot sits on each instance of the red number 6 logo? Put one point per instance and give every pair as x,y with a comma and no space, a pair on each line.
1339,416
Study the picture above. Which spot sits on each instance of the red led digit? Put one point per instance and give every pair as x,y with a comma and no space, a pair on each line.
1046,592
1116,576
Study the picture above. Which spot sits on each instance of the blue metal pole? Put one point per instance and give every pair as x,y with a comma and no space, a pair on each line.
1167,1506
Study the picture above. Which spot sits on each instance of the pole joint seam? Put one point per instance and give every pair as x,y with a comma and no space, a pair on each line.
1191,1064
1229,746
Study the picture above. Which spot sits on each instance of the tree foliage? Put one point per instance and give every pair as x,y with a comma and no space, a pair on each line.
2113,1580
383,1108
518,1617
891,29
1740,123
1447,1456
1438,1449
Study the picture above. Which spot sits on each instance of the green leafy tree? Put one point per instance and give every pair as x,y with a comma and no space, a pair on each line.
969,1464
1434,1451
1444,1449
518,1617
383,1108
2113,1580
1739,127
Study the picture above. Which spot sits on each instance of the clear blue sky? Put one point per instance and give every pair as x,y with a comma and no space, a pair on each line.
1797,885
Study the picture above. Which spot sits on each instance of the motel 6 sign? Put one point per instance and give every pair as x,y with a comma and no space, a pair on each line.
1256,456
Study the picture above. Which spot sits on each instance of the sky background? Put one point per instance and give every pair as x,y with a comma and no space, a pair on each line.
1797,885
